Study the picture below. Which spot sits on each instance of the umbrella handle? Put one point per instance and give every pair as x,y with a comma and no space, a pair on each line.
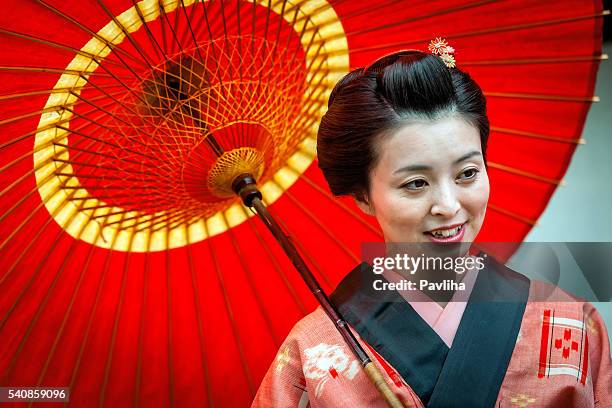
379,382
244,185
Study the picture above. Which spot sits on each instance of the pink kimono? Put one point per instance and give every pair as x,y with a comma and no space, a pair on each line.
509,350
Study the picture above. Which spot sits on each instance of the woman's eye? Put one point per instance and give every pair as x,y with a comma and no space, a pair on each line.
468,174
415,184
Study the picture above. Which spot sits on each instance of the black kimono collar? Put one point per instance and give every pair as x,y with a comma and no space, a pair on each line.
471,372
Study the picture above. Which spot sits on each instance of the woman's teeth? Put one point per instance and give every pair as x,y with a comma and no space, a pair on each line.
446,233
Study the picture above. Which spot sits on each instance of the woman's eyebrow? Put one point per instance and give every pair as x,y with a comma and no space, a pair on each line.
467,156
423,167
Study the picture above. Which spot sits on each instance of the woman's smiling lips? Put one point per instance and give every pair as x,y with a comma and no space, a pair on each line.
447,234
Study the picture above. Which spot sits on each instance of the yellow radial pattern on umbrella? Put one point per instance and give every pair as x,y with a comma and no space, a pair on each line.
192,105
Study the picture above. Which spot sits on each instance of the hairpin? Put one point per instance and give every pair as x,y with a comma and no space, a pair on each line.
440,47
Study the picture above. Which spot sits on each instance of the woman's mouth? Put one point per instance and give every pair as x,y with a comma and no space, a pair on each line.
453,233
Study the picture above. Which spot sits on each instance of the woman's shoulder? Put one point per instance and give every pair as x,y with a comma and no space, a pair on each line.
315,327
541,291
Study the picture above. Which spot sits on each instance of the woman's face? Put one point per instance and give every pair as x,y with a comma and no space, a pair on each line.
430,183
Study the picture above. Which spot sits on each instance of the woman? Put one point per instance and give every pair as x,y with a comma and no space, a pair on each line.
407,138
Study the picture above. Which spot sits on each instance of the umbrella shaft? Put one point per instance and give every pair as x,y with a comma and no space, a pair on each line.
311,282
341,325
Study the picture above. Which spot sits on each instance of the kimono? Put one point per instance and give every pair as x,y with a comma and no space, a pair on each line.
511,349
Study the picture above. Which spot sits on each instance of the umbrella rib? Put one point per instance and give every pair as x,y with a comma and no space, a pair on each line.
163,31
313,101
89,31
519,172
512,214
198,311
264,47
18,95
536,135
128,35
167,218
21,201
31,281
443,11
321,227
52,126
59,71
538,60
56,108
145,290
173,29
94,139
240,60
67,313
302,249
560,98
94,309
109,129
53,44
294,21
183,216
17,352
134,217
189,32
177,28
16,230
519,61
136,46
100,166
313,88
27,248
153,199
111,96
43,303
265,104
226,43
32,213
95,153
253,38
248,272
111,346
215,58
278,268
230,314
170,320
25,197
111,114
514,27
193,36
158,50
144,222
25,177
340,204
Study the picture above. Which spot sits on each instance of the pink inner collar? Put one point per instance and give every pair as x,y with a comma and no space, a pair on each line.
443,320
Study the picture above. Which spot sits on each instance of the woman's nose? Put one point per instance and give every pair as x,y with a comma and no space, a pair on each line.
445,202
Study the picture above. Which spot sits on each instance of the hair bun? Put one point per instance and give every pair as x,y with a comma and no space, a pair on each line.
418,82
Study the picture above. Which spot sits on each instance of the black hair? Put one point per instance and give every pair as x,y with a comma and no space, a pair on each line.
369,102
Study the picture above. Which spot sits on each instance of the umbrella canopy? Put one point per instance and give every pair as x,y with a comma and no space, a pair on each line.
128,271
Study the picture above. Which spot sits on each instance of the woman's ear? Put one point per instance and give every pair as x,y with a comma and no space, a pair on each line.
362,201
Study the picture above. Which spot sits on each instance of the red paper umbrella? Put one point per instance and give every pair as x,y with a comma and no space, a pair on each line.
128,270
